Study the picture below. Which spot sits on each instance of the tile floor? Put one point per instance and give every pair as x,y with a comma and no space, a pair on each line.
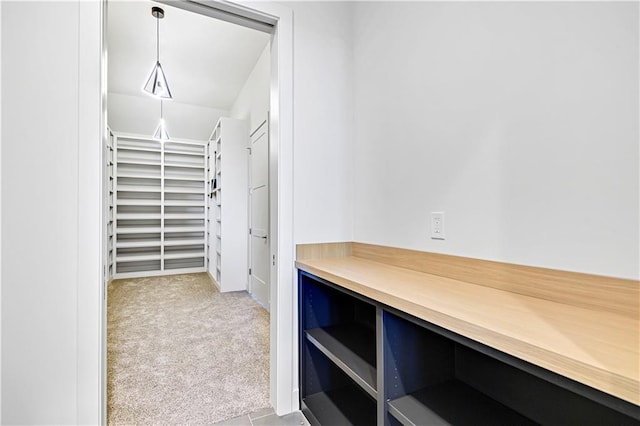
266,417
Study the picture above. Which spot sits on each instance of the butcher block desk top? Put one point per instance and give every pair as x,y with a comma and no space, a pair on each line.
597,347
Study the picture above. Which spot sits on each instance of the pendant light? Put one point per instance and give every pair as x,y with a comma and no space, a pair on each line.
157,82
161,134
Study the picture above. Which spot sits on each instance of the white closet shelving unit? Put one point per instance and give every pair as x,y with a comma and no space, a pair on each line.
227,214
216,204
160,206
110,181
213,214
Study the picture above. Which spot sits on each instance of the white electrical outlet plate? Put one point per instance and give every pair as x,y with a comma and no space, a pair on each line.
437,225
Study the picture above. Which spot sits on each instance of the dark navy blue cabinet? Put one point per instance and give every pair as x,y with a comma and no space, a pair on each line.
364,363
337,355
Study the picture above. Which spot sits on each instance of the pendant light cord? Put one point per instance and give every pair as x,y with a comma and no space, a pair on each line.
157,39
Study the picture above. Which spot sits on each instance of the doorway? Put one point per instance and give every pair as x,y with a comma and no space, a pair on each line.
279,19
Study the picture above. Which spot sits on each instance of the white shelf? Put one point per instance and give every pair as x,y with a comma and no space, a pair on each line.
184,165
184,215
137,244
184,158
138,202
139,162
124,174
172,151
184,229
187,178
173,189
143,216
138,188
137,258
139,144
186,242
128,148
185,148
193,203
138,230
185,254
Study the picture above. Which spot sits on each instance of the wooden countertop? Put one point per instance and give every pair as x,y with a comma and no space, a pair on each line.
599,348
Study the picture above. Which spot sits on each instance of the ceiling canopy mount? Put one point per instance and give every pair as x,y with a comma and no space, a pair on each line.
157,12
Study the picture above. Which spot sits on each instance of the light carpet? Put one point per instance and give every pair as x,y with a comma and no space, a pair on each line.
179,351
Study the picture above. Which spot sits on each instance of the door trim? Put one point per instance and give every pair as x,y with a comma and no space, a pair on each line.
283,352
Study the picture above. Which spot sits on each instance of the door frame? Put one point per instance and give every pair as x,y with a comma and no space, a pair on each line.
283,352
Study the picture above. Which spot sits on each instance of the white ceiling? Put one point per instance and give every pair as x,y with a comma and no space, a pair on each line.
206,60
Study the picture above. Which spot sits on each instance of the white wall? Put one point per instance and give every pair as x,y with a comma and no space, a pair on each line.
519,120
323,122
252,103
140,115
50,281
0,216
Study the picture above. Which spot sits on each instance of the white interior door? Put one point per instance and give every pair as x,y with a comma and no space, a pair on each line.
259,215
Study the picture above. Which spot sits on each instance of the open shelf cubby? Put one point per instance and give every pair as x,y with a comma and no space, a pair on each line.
425,381
438,379
186,263
142,144
349,347
134,156
331,397
338,349
137,266
183,160
183,148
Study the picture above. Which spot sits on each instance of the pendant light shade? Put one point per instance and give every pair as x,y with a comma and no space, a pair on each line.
161,134
157,84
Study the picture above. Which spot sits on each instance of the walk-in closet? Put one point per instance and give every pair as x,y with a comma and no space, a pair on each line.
166,204
186,215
